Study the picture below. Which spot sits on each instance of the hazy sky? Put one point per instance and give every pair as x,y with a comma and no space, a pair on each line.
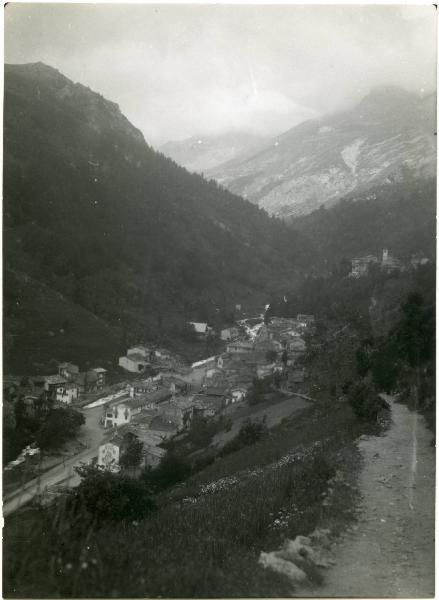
178,71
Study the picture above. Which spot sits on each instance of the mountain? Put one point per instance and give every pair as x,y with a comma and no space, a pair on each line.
399,216
203,153
388,137
97,219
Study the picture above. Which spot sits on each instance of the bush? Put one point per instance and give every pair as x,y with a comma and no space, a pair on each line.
110,496
132,456
60,425
365,401
171,470
249,433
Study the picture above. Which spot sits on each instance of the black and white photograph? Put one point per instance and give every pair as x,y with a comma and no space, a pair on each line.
219,300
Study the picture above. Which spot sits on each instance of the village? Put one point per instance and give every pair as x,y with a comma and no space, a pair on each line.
159,397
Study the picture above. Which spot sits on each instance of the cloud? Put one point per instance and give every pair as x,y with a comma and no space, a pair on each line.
179,70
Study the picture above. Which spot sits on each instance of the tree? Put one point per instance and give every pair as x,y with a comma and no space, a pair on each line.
365,401
249,433
60,425
171,470
132,456
109,496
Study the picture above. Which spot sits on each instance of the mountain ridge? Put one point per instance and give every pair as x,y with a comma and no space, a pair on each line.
389,135
93,212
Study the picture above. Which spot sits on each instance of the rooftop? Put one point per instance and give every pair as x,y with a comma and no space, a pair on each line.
54,379
199,327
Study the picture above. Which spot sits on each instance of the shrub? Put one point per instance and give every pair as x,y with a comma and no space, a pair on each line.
365,401
110,496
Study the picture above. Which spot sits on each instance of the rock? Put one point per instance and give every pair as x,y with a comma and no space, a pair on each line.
279,565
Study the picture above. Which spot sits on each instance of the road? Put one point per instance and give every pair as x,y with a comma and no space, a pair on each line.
91,435
390,553
63,473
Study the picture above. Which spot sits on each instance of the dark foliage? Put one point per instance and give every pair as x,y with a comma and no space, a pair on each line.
60,425
249,433
111,497
92,212
132,455
171,470
365,401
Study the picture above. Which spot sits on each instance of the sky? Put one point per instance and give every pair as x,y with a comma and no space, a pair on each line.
182,70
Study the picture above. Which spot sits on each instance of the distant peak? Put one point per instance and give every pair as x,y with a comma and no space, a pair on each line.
388,93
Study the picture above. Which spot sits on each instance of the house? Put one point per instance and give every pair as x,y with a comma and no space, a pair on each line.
390,263
265,346
87,382
67,392
51,385
164,427
110,452
101,375
175,385
208,406
134,363
144,386
306,320
117,415
239,347
238,393
148,401
178,411
201,329
141,350
68,370
229,333
360,266
296,345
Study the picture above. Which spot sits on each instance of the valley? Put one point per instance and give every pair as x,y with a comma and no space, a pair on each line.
219,357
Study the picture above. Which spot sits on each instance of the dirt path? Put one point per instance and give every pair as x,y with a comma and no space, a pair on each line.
390,553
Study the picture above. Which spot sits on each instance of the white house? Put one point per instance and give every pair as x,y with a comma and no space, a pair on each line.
101,374
201,329
68,370
238,394
142,350
109,453
67,392
239,347
117,415
230,333
134,363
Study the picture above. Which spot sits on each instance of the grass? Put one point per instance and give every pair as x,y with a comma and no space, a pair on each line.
206,536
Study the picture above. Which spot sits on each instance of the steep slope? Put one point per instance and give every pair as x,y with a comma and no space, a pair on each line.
387,137
203,153
397,216
92,212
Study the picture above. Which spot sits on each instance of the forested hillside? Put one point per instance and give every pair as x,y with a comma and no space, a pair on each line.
93,213
400,217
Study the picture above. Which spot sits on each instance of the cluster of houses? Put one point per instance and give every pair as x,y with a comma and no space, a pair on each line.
388,263
141,359
157,407
64,387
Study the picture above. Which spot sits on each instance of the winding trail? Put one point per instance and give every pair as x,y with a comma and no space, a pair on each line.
390,553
